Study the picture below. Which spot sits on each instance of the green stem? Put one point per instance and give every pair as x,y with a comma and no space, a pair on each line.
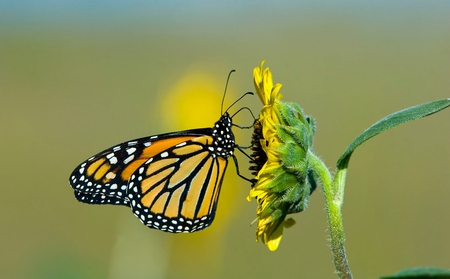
333,191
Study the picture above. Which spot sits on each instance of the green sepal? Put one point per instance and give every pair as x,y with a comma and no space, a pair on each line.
299,198
294,113
273,215
293,134
309,125
294,121
282,182
293,158
288,195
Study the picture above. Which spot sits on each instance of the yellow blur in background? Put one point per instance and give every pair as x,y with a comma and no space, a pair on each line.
78,78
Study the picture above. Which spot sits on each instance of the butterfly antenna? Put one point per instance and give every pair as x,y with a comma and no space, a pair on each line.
225,92
249,110
245,94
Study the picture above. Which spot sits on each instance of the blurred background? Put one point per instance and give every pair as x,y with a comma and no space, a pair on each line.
77,77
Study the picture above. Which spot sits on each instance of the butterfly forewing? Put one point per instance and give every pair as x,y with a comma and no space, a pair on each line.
171,181
107,173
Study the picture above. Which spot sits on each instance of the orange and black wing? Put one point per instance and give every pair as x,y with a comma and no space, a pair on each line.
103,178
170,181
178,190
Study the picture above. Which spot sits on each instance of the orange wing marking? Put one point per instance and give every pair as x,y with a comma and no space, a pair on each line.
148,183
205,140
174,203
158,206
159,165
101,171
150,152
94,166
187,149
186,168
193,195
212,188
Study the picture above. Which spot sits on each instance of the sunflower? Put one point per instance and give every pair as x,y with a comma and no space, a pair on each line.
282,137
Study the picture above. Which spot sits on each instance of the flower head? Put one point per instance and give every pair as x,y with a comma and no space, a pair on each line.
282,137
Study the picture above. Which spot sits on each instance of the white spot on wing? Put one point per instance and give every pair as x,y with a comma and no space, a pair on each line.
113,160
129,159
131,150
110,175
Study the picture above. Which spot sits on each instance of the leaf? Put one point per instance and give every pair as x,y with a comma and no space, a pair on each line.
391,121
420,273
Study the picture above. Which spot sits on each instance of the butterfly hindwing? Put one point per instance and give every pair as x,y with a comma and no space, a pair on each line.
177,191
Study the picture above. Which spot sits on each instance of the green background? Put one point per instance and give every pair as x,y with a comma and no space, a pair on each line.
76,78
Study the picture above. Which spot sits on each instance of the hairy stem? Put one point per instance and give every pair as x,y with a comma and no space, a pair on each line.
333,191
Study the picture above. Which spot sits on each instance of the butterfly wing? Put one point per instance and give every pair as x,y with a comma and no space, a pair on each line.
103,178
178,190
170,181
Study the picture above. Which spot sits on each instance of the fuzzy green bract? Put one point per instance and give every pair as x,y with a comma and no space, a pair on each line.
291,179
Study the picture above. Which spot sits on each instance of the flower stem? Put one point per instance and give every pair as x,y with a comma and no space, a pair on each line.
333,191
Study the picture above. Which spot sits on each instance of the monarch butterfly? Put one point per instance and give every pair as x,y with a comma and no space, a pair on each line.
171,181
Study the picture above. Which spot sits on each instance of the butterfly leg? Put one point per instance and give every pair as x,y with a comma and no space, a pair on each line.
239,174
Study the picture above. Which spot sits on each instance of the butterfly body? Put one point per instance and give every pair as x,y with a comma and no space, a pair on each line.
171,181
